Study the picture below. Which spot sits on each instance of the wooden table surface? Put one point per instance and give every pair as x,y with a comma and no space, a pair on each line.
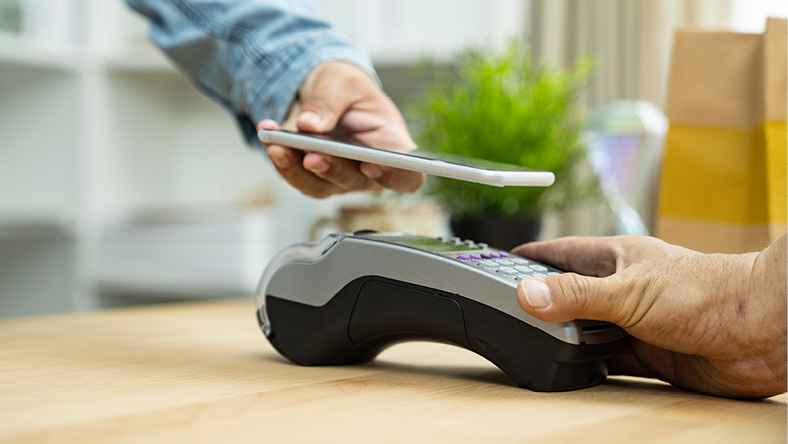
203,372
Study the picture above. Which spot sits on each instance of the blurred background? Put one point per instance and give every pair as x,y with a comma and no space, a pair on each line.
120,184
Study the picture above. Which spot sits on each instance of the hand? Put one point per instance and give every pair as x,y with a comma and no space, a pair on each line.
712,323
341,96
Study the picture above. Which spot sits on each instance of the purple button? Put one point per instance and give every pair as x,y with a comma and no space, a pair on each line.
463,257
504,254
476,257
495,255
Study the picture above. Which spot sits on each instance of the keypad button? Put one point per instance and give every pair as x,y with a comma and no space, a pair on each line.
489,265
537,267
476,257
507,271
523,269
504,254
504,262
463,257
519,260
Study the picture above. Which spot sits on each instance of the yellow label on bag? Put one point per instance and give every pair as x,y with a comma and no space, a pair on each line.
776,137
725,175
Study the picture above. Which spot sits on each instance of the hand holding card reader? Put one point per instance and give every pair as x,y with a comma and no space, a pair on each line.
346,298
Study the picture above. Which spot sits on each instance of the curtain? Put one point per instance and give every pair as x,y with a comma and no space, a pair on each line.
630,41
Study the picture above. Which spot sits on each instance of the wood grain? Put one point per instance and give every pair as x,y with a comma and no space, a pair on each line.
203,372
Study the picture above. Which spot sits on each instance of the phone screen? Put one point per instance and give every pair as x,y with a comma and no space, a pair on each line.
430,155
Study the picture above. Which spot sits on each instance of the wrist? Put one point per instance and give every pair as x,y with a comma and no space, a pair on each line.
762,305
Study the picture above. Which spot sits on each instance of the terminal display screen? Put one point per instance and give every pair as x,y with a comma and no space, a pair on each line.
429,244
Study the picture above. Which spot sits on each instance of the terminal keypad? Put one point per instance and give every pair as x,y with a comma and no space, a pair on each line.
503,264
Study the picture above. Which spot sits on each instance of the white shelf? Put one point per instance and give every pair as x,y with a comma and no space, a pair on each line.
20,225
15,50
214,250
156,287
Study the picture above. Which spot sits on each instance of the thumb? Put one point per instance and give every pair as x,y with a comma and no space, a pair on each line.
321,111
571,296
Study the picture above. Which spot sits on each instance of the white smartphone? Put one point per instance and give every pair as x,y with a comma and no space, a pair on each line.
436,164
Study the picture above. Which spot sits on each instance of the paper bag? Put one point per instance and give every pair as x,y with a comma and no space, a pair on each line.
723,183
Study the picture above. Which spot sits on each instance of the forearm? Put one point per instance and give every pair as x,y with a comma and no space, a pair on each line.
249,55
769,272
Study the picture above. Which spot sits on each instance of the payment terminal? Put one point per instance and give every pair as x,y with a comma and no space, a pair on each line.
346,298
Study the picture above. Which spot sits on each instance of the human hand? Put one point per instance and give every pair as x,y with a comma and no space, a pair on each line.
341,96
712,323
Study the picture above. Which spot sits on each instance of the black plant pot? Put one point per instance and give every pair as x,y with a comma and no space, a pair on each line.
498,232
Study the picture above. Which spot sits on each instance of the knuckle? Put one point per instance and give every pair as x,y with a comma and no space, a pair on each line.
320,192
629,311
402,184
326,102
576,290
348,179
360,182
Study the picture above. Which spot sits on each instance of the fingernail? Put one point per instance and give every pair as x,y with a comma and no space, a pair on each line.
537,293
320,168
371,171
309,117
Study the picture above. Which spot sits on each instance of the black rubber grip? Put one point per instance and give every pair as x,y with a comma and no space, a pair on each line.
372,313
383,309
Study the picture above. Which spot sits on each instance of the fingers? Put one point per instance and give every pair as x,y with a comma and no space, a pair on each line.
591,256
343,173
303,180
315,174
349,175
571,296
319,175
283,158
392,178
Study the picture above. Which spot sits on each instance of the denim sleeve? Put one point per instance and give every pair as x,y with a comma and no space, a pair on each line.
249,55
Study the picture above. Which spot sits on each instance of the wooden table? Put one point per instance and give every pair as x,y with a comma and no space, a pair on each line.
203,372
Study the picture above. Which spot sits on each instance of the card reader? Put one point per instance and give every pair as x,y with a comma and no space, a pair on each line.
346,298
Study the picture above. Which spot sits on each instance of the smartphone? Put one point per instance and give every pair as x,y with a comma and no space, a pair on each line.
436,164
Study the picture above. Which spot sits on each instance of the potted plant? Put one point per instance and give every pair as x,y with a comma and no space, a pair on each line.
503,107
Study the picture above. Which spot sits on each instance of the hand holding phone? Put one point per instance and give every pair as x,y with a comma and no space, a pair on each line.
320,175
342,96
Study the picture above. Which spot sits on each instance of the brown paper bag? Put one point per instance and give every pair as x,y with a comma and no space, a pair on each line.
723,184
